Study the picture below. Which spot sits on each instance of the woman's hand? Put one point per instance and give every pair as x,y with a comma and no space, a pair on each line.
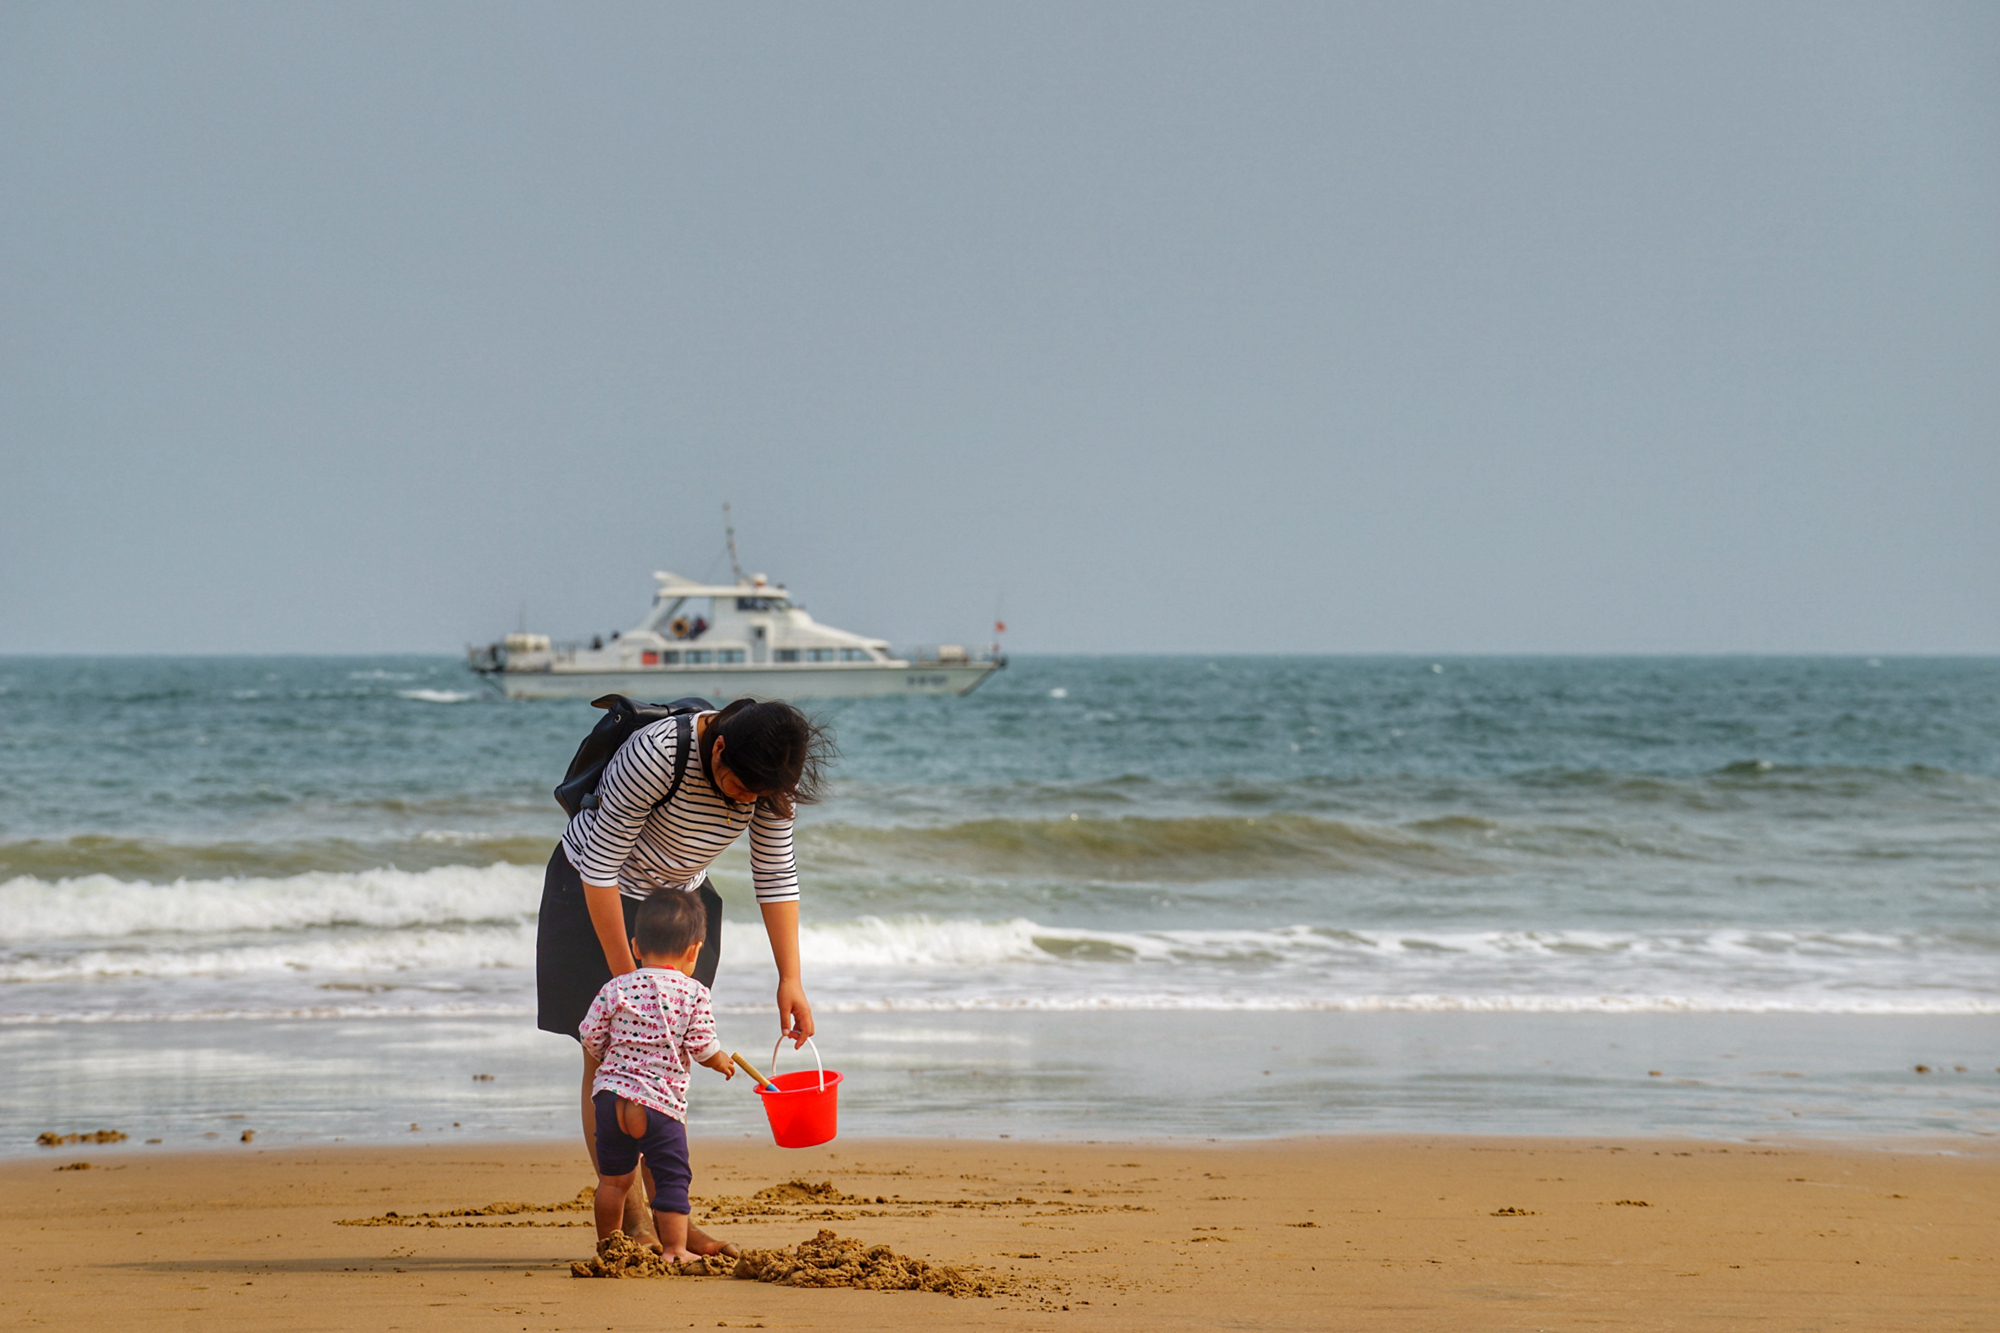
795,1015
781,927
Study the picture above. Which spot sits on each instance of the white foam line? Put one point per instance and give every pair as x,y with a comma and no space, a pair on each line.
1530,1005
1426,1004
922,941
308,1012
101,907
373,954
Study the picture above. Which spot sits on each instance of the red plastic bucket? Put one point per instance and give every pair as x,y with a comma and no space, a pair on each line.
803,1107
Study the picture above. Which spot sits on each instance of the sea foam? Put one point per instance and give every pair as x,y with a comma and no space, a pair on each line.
102,907
243,943
344,954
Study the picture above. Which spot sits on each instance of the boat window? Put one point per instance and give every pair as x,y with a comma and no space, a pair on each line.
670,658
649,658
785,655
759,603
729,655
819,654
854,654
698,656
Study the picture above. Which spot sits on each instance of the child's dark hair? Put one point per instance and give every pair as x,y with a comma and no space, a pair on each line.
668,921
774,750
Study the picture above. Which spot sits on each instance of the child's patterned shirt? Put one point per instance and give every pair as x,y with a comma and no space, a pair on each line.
649,1027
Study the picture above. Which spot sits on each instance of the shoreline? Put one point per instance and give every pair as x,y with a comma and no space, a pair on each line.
1942,1145
1068,1077
1361,1231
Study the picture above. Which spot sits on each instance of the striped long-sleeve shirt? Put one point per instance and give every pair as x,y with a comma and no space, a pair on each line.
627,842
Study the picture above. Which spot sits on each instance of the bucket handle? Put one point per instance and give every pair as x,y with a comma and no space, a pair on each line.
816,1060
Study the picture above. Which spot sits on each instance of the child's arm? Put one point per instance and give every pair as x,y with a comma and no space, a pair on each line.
701,1045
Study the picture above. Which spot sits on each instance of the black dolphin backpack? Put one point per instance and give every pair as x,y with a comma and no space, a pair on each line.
578,789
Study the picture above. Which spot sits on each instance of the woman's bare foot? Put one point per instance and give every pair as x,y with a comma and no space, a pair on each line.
638,1223
701,1244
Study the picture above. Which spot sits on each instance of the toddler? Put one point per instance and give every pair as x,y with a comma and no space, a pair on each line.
648,1028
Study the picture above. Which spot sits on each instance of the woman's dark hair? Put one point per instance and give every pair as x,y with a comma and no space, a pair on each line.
668,921
774,750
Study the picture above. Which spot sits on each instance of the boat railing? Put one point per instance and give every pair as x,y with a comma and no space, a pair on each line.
494,657
952,654
489,657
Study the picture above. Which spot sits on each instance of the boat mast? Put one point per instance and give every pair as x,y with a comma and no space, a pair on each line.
729,531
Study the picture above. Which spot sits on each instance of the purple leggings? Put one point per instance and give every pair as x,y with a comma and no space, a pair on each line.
664,1145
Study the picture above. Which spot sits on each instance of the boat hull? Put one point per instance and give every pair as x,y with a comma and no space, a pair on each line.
843,681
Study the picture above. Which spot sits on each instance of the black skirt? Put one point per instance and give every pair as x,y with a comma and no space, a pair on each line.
569,960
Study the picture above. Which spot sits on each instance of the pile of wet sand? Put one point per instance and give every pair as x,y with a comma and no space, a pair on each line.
52,1139
804,1191
583,1202
827,1260
618,1255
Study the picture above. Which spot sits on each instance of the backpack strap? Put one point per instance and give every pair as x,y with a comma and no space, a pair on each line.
684,725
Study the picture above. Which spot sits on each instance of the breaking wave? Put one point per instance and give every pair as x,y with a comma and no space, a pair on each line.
1194,848
103,907
164,861
362,953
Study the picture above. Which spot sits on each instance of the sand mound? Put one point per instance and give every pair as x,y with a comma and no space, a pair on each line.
828,1260
583,1202
803,1191
618,1255
50,1139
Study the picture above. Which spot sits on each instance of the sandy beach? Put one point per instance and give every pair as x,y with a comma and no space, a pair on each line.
1332,1233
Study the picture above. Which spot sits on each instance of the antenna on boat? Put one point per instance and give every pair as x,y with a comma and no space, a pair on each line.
729,531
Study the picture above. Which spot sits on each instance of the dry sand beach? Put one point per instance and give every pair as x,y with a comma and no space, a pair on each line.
1328,1233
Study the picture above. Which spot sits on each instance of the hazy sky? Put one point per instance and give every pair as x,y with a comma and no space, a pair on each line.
1437,328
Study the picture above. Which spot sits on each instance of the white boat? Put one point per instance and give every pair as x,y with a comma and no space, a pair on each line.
724,641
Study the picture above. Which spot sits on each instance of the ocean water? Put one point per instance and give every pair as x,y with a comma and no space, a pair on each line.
1229,896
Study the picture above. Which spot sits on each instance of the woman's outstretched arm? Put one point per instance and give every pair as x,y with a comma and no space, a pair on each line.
607,918
795,1015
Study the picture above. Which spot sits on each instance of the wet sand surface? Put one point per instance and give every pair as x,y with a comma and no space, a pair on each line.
1336,1233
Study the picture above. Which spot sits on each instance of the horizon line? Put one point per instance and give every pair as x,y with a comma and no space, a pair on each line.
1396,653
